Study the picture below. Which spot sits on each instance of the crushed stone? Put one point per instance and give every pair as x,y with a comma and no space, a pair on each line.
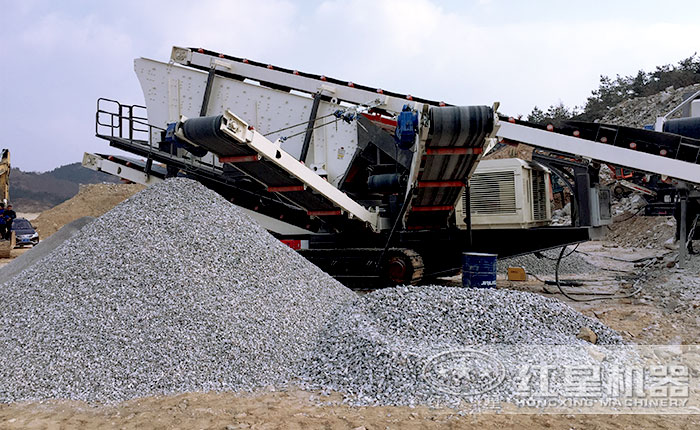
376,348
159,296
174,290
44,248
571,263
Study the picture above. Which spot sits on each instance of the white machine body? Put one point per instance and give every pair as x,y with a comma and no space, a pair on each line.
172,91
507,193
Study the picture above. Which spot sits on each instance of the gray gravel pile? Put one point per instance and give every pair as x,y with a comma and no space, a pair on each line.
382,349
174,290
44,248
570,264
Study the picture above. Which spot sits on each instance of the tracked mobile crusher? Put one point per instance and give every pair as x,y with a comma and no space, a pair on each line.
368,184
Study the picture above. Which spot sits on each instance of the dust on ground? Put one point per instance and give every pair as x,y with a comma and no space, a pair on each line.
665,311
92,200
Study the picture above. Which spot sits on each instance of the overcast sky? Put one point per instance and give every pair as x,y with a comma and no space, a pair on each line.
58,57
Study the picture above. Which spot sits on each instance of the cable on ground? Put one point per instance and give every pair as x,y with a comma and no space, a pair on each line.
561,290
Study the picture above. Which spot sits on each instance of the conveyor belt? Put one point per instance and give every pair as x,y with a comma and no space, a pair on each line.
208,132
638,149
666,144
456,139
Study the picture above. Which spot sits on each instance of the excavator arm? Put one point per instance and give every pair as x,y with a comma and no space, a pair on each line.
5,175
5,245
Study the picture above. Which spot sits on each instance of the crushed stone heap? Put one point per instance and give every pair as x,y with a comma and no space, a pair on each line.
571,263
174,290
377,348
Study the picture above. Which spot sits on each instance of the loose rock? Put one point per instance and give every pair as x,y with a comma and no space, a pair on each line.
545,263
174,290
587,334
377,348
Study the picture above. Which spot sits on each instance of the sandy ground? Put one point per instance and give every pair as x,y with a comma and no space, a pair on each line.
14,254
92,200
292,411
28,215
651,317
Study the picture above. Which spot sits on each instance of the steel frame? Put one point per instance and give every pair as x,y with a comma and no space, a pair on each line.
600,151
242,133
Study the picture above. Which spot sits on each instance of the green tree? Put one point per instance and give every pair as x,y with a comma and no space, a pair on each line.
537,116
610,91
555,114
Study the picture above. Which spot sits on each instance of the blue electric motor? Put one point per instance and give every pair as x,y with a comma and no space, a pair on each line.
406,128
172,139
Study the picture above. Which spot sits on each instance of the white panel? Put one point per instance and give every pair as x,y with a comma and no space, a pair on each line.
173,100
266,109
309,85
695,108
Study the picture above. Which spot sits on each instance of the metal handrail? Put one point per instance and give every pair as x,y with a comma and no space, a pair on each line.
114,120
123,121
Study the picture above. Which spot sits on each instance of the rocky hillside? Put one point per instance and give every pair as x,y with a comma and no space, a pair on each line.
640,111
36,192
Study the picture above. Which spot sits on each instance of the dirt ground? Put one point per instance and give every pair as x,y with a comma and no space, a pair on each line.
665,311
28,215
657,315
293,410
14,254
92,200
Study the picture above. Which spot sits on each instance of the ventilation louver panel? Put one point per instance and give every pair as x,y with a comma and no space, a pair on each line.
539,196
493,193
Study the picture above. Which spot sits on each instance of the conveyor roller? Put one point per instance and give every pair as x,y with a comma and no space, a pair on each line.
206,132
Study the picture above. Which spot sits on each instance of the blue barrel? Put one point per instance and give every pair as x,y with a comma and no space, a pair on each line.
479,270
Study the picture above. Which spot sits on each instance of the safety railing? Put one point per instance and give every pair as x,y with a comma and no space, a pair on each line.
113,119
127,126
